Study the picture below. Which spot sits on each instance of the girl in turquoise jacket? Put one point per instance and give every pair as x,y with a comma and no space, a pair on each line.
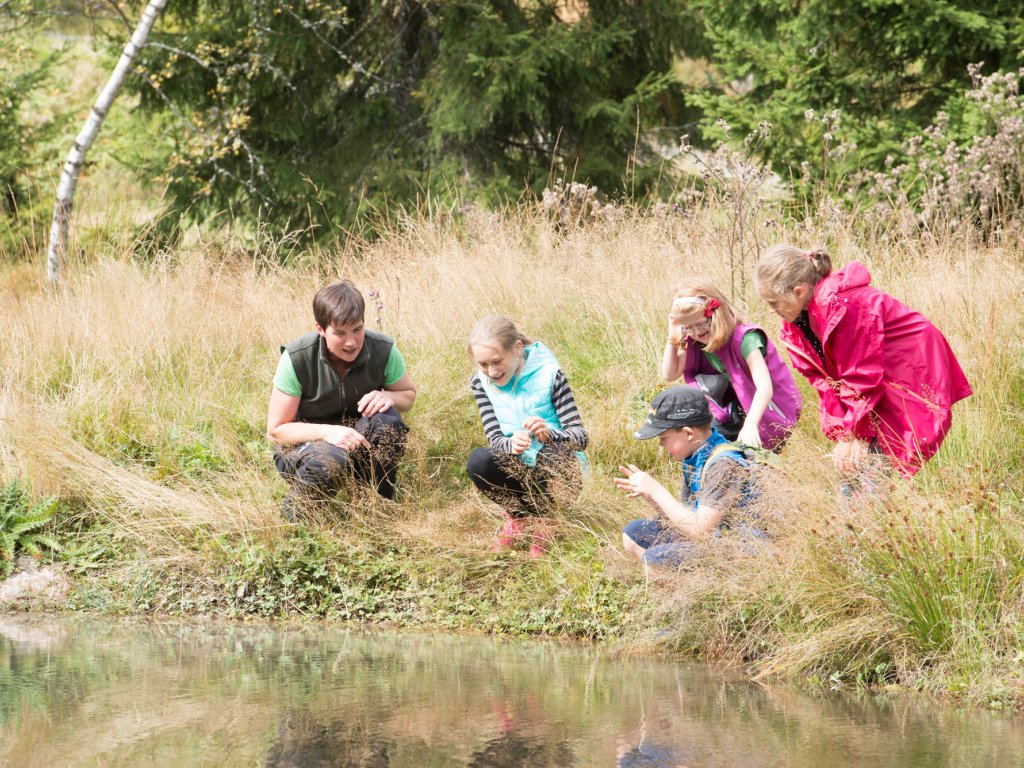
534,432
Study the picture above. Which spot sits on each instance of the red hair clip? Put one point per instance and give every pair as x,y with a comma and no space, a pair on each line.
711,307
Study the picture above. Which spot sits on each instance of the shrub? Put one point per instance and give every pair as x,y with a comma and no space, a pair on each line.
967,167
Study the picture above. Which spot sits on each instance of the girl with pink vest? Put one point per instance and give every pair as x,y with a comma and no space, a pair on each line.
752,395
886,377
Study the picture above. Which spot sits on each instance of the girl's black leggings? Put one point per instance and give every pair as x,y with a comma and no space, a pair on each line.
521,490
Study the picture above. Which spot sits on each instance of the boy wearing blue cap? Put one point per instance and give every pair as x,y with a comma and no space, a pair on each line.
717,481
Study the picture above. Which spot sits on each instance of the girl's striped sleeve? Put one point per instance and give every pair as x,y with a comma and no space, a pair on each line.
568,414
492,429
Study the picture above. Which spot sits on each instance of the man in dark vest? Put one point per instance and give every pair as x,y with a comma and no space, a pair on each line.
335,411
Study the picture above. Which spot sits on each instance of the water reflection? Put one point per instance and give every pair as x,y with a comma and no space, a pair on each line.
518,739
304,740
81,692
649,756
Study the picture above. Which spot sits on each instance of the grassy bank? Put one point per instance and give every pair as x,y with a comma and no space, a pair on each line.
138,395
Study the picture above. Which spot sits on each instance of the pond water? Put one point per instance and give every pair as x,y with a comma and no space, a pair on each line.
81,692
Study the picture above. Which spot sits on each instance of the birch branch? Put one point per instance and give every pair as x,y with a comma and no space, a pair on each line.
56,251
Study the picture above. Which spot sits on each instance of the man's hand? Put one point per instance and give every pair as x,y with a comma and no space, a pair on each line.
345,438
521,440
538,428
636,482
849,455
374,402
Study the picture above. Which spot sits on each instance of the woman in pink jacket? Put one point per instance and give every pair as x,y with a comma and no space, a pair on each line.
886,377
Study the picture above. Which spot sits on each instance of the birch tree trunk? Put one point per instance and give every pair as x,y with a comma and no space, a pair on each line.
76,158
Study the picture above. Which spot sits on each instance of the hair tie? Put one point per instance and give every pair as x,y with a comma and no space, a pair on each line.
711,307
687,301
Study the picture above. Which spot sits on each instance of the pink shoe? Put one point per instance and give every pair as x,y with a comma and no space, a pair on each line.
541,538
509,534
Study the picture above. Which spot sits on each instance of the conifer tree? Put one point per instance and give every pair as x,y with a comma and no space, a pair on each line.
313,113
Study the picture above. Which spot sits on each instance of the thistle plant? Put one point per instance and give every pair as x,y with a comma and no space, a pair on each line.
829,122
734,180
967,167
21,523
572,204
378,303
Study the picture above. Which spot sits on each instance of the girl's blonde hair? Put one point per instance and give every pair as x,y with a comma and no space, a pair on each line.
783,267
724,318
495,329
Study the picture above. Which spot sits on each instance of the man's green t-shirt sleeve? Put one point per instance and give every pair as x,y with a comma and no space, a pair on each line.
395,368
285,378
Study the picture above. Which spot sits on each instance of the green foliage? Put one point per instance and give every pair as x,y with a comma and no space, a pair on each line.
19,73
21,523
310,114
516,91
189,448
946,578
581,603
314,576
967,166
22,70
887,66
81,554
313,573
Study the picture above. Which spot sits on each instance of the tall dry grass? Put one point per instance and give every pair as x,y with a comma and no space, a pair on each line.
139,391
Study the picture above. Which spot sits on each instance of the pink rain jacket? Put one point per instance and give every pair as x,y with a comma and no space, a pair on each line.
888,373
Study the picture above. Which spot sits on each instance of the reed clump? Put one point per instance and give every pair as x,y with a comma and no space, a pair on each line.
137,393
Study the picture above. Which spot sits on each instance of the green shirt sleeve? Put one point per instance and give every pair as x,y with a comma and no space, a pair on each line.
285,378
395,368
752,340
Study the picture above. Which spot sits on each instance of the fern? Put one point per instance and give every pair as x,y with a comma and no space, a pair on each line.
21,523
7,542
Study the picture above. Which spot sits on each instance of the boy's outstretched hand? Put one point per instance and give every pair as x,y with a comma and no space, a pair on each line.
636,482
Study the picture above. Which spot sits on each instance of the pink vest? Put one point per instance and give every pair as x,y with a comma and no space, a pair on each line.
784,409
